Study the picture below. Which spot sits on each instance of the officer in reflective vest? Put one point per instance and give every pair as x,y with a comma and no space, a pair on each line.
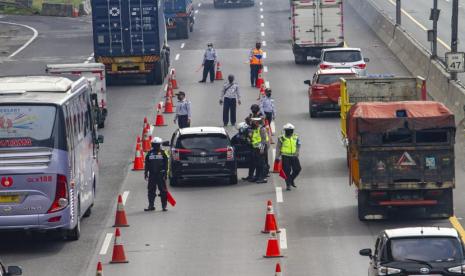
255,60
287,149
156,167
258,140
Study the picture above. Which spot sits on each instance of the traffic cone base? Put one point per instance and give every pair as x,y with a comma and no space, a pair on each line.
120,218
118,256
272,249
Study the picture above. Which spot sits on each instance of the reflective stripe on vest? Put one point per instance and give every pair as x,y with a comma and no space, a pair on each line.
255,60
256,138
289,145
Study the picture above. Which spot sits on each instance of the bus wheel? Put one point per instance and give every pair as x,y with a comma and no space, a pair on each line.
75,233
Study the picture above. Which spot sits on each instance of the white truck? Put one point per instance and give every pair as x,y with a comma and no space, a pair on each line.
315,24
95,74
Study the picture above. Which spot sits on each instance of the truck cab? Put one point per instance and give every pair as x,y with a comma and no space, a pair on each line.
179,18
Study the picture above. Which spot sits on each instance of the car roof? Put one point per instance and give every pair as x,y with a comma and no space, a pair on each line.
334,71
421,232
341,49
202,130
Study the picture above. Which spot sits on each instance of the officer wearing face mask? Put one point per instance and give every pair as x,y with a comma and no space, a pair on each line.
287,149
255,60
256,113
208,63
267,106
156,166
183,111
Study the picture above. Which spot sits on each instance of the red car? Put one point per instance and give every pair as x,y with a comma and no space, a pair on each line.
324,90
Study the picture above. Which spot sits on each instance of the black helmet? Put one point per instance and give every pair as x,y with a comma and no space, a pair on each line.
231,78
255,108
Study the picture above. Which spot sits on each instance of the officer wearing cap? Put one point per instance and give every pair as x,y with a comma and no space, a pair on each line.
208,63
183,111
287,149
230,97
258,140
156,166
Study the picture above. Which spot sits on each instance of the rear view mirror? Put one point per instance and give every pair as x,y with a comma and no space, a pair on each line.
14,270
166,143
308,82
365,252
366,59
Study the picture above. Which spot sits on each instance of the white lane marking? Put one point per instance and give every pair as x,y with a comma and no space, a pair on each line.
261,3
261,16
265,69
283,238
262,24
420,25
261,9
263,33
200,4
267,84
177,56
182,45
264,54
196,11
279,195
263,43
273,153
106,243
34,36
125,197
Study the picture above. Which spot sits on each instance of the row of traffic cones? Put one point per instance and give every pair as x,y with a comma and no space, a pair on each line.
271,226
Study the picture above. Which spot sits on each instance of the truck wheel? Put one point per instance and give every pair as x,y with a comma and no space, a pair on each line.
299,58
362,205
156,76
446,207
313,112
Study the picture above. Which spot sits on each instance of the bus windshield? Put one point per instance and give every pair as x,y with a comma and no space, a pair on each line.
26,125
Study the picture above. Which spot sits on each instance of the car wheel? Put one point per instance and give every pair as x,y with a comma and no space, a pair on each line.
233,179
312,111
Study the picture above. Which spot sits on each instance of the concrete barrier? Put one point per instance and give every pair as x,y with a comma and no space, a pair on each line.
414,57
49,9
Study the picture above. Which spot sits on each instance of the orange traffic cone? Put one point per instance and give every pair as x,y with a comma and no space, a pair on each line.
272,249
120,218
159,121
169,105
146,126
260,80
99,269
138,159
219,74
277,166
262,89
169,90
118,256
270,220
174,83
146,142
277,270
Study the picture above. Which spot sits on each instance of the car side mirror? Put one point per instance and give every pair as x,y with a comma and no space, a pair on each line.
14,270
100,139
165,143
366,59
365,252
308,82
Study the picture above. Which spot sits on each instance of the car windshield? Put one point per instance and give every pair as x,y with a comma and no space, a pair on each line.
26,125
432,249
342,56
329,79
203,141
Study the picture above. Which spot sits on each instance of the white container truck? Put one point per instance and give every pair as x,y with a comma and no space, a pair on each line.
315,24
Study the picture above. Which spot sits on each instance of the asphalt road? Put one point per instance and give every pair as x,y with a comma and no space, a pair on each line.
215,228
415,19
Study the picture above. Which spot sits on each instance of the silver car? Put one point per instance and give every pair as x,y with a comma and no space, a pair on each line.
342,57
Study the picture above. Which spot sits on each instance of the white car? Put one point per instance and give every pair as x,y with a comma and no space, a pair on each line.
342,57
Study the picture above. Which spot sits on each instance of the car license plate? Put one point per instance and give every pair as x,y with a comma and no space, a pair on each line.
9,199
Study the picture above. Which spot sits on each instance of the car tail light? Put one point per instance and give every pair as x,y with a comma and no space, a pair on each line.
360,66
325,66
61,199
178,152
378,194
229,152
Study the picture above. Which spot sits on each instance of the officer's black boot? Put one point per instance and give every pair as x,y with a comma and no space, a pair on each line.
292,182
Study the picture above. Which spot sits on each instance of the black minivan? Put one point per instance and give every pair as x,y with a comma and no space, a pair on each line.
202,152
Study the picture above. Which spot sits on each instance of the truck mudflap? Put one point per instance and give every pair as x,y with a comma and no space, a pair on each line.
383,204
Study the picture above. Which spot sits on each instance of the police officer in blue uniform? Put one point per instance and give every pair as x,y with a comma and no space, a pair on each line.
156,166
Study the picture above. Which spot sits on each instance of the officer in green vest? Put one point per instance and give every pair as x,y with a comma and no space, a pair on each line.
258,140
287,149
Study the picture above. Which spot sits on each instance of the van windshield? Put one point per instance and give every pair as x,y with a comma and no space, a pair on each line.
427,249
26,125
